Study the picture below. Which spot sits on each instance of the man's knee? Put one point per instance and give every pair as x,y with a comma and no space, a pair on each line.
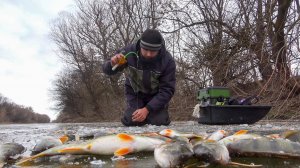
125,122
159,118
156,118
160,123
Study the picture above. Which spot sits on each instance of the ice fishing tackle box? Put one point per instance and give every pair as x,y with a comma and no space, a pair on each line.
213,95
232,114
215,109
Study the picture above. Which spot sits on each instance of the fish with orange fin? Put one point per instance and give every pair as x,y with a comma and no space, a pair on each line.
214,149
156,135
217,135
48,142
215,153
241,134
118,145
172,134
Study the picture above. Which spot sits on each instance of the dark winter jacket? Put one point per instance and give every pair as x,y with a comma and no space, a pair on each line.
153,80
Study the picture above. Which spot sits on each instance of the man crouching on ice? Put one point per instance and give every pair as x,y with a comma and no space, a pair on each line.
150,79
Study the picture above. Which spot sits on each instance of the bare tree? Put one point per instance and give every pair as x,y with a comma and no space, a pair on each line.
249,45
90,36
14,113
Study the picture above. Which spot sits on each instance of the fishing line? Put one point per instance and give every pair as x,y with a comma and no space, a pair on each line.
128,54
137,64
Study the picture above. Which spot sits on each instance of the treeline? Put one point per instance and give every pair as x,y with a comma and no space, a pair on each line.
250,46
13,113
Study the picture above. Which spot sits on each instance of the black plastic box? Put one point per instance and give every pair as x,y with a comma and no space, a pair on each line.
232,114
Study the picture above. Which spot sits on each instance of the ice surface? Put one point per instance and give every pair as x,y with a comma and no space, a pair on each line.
29,134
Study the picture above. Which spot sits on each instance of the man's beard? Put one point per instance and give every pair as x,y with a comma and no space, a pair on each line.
148,60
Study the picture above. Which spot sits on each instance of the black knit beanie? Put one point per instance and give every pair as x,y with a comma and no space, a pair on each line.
151,40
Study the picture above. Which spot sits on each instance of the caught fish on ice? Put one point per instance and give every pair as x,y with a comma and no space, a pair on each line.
47,143
173,154
242,134
9,151
173,133
217,135
118,145
212,152
281,148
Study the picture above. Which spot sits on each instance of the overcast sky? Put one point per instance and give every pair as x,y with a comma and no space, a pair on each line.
28,63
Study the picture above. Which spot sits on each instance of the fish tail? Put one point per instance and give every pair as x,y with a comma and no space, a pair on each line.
244,165
25,162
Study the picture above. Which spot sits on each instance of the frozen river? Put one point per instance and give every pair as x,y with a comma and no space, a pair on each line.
29,134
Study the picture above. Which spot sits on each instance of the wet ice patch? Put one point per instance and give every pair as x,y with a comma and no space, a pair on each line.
257,126
114,158
131,158
73,163
97,162
276,127
268,126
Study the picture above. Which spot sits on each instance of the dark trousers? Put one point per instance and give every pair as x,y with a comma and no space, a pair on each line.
158,118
